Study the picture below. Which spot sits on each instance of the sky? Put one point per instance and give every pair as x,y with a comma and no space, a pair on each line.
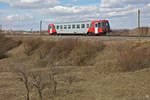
27,14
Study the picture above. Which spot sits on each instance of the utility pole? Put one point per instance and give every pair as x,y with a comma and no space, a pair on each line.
0,27
139,14
40,26
139,18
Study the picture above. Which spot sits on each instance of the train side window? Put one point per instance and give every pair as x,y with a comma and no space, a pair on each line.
87,25
78,26
57,26
61,27
73,26
82,25
69,26
65,26
91,25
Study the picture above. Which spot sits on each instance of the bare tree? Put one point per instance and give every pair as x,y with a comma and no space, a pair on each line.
69,79
23,76
41,54
39,83
52,76
31,45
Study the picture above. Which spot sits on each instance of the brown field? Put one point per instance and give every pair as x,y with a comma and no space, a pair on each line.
74,69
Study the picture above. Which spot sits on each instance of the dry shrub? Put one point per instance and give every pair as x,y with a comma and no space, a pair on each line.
42,53
142,31
85,51
134,59
124,32
62,49
62,52
51,52
7,44
45,48
30,45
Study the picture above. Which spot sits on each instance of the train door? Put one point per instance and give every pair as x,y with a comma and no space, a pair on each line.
50,28
96,28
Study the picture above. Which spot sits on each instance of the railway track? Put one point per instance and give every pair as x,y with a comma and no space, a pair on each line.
109,37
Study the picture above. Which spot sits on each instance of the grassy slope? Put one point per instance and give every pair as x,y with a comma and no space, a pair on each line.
103,81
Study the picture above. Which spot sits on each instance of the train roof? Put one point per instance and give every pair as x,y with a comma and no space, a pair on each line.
79,21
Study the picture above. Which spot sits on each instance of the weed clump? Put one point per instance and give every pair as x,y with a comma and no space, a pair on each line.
62,49
30,45
134,59
85,51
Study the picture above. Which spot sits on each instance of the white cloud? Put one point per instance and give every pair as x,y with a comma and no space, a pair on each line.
68,10
122,3
31,3
17,17
75,0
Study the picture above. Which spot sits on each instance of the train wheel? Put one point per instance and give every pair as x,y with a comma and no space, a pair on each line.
89,34
104,33
54,34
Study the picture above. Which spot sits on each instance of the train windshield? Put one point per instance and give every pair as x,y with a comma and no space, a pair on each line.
107,25
99,25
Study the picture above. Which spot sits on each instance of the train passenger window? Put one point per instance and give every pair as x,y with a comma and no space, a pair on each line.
73,26
65,26
91,25
69,26
57,27
78,25
61,27
87,25
82,25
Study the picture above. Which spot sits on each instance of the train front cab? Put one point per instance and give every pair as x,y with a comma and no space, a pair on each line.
51,29
99,28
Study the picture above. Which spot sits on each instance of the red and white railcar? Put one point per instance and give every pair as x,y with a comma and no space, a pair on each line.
82,27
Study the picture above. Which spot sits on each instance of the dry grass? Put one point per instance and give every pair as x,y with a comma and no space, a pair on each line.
109,77
84,52
64,52
7,44
134,59
143,31
30,45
